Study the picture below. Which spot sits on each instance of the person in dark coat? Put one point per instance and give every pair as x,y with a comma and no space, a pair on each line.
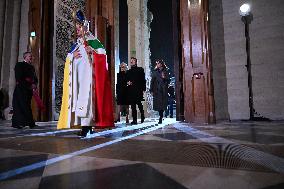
2,105
171,99
26,81
136,87
159,88
122,92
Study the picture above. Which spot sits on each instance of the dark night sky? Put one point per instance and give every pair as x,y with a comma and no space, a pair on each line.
123,31
161,39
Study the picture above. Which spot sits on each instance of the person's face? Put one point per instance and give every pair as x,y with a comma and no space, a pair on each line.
132,62
123,68
28,58
159,65
79,30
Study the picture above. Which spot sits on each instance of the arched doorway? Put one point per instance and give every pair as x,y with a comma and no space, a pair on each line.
187,33
190,54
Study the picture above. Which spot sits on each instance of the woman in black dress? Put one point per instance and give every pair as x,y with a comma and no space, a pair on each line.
122,92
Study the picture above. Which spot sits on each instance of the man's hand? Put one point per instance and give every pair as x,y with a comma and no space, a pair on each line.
89,49
129,83
77,54
34,86
28,79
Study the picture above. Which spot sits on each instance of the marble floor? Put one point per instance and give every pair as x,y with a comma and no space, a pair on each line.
172,155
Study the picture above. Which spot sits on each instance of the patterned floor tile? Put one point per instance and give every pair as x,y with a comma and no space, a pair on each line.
225,155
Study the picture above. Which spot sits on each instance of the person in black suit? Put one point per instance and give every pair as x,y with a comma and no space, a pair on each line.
136,87
26,81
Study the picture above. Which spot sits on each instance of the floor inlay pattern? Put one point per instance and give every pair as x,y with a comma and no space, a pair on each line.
148,155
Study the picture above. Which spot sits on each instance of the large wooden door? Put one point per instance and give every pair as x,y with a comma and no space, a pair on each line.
178,67
41,22
196,62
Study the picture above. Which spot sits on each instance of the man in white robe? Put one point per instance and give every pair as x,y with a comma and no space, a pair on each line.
79,81
87,95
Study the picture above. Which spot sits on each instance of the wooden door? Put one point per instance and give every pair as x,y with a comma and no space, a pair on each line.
41,22
196,62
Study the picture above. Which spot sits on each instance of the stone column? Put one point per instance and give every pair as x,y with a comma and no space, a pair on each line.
148,17
218,60
116,51
54,108
116,37
139,19
10,46
133,17
24,29
14,47
6,45
2,24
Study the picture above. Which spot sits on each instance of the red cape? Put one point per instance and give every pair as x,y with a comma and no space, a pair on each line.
102,93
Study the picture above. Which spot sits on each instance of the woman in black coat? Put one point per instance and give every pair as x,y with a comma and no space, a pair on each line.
159,88
122,92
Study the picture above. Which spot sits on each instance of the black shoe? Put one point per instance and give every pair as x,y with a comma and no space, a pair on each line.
33,126
91,129
134,123
160,120
85,130
17,126
171,116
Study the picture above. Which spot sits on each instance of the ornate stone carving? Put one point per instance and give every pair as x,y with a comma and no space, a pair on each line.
63,39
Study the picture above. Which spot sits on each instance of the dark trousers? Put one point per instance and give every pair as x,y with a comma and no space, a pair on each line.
22,111
170,108
134,110
161,114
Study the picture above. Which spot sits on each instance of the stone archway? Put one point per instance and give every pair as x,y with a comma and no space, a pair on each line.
192,55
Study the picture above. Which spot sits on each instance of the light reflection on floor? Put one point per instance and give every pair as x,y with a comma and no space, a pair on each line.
180,155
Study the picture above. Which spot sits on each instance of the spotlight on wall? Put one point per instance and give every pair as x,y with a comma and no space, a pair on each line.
245,10
245,14
247,17
33,34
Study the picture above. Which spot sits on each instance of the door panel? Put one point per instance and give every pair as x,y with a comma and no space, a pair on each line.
196,62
